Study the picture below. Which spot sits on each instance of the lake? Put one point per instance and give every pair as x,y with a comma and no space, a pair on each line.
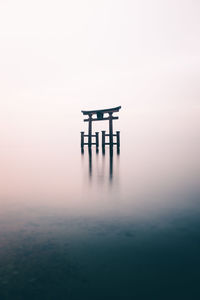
98,225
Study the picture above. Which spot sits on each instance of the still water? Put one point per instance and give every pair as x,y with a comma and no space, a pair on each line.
98,225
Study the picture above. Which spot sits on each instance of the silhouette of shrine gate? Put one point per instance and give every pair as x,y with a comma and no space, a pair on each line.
100,117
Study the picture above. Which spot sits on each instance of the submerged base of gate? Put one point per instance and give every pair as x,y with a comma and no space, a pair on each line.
111,139
110,142
89,142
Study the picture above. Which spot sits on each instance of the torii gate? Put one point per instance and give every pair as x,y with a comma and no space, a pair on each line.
100,117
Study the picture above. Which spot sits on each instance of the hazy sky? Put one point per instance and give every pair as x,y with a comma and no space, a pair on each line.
56,55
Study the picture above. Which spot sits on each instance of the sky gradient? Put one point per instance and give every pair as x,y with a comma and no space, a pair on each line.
58,57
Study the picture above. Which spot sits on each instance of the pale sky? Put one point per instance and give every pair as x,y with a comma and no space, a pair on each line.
56,55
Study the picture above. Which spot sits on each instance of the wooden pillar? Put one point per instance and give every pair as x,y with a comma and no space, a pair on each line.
118,139
82,139
111,128
90,130
103,138
90,161
97,139
103,150
111,162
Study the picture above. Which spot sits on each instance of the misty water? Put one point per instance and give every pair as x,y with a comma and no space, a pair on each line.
94,225
98,225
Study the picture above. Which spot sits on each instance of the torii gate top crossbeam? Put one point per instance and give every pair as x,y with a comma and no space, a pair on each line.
108,110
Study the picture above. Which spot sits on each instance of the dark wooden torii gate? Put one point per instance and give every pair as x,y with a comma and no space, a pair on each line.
100,117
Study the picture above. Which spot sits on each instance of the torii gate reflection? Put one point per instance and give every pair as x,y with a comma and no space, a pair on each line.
90,161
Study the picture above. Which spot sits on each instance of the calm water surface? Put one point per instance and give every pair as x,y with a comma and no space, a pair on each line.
99,225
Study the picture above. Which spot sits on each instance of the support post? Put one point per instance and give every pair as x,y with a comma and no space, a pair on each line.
118,139
90,161
103,138
103,150
111,128
97,139
82,139
111,162
90,130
